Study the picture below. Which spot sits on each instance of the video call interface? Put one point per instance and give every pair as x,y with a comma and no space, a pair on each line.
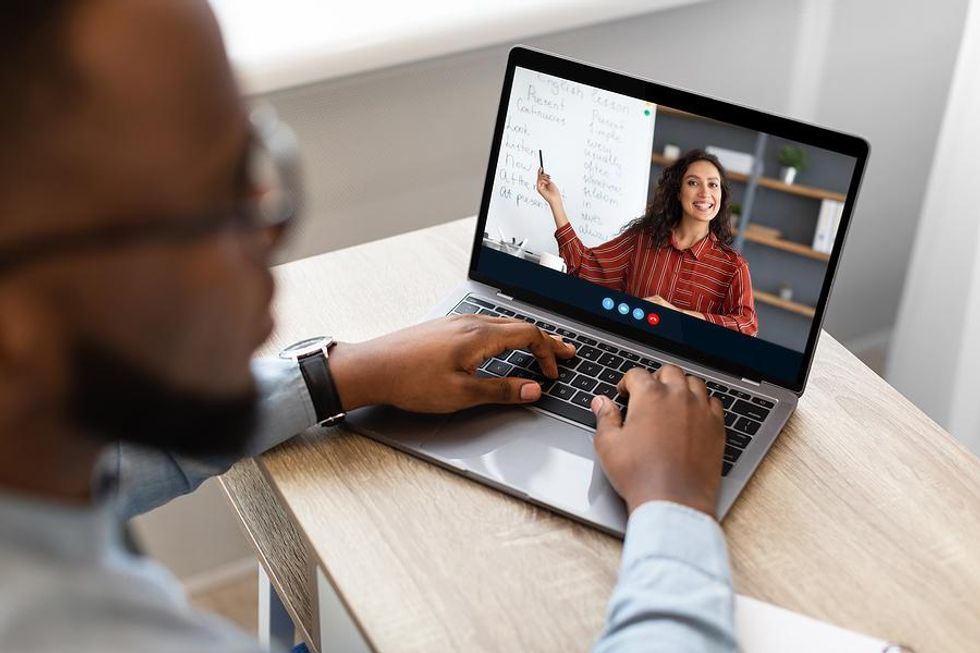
680,226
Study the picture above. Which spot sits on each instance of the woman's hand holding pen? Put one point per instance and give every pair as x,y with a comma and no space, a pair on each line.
549,191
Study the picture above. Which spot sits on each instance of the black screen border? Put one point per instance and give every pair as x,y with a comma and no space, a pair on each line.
722,111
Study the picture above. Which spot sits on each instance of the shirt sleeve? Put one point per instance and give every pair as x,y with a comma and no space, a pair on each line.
149,477
738,308
606,264
674,592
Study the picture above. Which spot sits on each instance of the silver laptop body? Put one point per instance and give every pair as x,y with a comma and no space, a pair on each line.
542,457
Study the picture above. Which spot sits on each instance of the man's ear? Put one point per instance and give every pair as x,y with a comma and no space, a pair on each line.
33,352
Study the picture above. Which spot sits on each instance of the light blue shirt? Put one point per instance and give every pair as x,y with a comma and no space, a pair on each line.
68,584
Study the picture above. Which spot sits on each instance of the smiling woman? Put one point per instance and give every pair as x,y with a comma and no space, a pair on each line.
678,254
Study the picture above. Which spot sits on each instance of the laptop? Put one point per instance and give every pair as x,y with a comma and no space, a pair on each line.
741,310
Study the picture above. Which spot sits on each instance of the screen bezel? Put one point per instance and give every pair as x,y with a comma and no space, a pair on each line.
846,144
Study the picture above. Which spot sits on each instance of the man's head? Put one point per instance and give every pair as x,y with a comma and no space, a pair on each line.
124,112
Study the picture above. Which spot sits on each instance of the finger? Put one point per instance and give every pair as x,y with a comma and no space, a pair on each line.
717,408
671,376
696,386
523,335
634,380
507,390
566,350
608,418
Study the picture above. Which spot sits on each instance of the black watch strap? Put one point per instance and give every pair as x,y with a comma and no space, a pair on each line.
316,372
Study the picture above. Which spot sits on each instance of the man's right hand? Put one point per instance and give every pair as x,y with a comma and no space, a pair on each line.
671,444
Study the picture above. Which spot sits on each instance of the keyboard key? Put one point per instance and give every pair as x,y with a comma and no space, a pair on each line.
610,360
630,355
521,316
750,410
562,391
732,454
586,340
746,425
739,394
521,373
592,369
716,386
466,307
565,375
725,467
605,389
480,302
727,401
506,311
583,382
588,353
622,400
583,399
499,368
730,419
653,368
604,346
739,440
545,326
485,311
765,403
648,362
627,366
562,331
610,376
566,410
568,363
521,358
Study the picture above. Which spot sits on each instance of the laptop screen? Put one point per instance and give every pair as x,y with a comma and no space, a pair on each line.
685,223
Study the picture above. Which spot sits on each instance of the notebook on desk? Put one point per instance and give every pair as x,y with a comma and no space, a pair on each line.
766,628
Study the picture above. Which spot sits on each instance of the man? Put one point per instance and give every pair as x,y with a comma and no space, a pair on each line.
134,289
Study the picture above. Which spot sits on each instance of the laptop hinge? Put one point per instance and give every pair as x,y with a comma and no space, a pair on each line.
503,296
751,382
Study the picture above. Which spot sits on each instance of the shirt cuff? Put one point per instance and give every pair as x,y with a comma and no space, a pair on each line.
285,407
565,234
663,529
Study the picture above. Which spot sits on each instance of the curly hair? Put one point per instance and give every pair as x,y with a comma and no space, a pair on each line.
664,212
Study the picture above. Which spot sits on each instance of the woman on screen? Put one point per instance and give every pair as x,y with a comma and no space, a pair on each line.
678,254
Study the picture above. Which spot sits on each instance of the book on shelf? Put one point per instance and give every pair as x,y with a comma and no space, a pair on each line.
827,222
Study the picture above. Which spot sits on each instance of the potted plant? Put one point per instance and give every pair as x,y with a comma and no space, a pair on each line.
793,159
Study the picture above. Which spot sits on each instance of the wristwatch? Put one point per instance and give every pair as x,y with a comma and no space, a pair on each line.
311,355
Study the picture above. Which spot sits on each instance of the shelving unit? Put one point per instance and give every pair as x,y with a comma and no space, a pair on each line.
779,302
786,245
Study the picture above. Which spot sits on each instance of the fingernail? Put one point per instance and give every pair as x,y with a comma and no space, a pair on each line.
528,391
597,402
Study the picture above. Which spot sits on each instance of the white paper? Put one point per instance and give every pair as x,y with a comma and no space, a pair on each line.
766,628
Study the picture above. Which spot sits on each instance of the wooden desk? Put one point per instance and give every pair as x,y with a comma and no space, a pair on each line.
865,514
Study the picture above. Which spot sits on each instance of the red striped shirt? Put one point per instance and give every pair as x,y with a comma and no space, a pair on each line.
707,278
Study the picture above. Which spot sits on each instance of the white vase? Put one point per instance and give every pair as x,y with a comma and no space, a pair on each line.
788,173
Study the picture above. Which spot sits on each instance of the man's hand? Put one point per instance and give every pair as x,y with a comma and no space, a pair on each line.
671,444
429,367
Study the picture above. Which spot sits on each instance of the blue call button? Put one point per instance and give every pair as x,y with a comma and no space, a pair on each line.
638,313
608,303
624,308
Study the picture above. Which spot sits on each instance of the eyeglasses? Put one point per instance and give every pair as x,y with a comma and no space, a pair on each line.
274,202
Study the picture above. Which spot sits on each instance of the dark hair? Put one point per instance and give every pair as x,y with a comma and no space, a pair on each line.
664,211
34,79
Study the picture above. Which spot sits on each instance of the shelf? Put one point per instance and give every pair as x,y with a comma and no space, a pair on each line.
779,302
774,184
786,245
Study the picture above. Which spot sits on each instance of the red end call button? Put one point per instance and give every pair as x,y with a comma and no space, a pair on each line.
653,319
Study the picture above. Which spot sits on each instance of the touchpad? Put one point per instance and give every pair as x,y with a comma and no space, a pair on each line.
545,458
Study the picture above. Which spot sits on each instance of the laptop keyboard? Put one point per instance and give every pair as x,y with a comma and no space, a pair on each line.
597,368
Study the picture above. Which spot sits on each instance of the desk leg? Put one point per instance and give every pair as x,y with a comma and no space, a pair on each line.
275,626
338,632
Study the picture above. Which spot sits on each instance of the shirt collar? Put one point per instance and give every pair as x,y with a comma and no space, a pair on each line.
698,248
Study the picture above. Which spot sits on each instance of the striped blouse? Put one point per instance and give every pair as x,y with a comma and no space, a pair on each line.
708,278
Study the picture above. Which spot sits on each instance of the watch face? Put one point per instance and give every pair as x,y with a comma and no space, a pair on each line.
306,346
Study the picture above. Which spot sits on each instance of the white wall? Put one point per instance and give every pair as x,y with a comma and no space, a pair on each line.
406,147
935,358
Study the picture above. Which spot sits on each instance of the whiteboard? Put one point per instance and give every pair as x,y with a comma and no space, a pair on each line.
596,146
